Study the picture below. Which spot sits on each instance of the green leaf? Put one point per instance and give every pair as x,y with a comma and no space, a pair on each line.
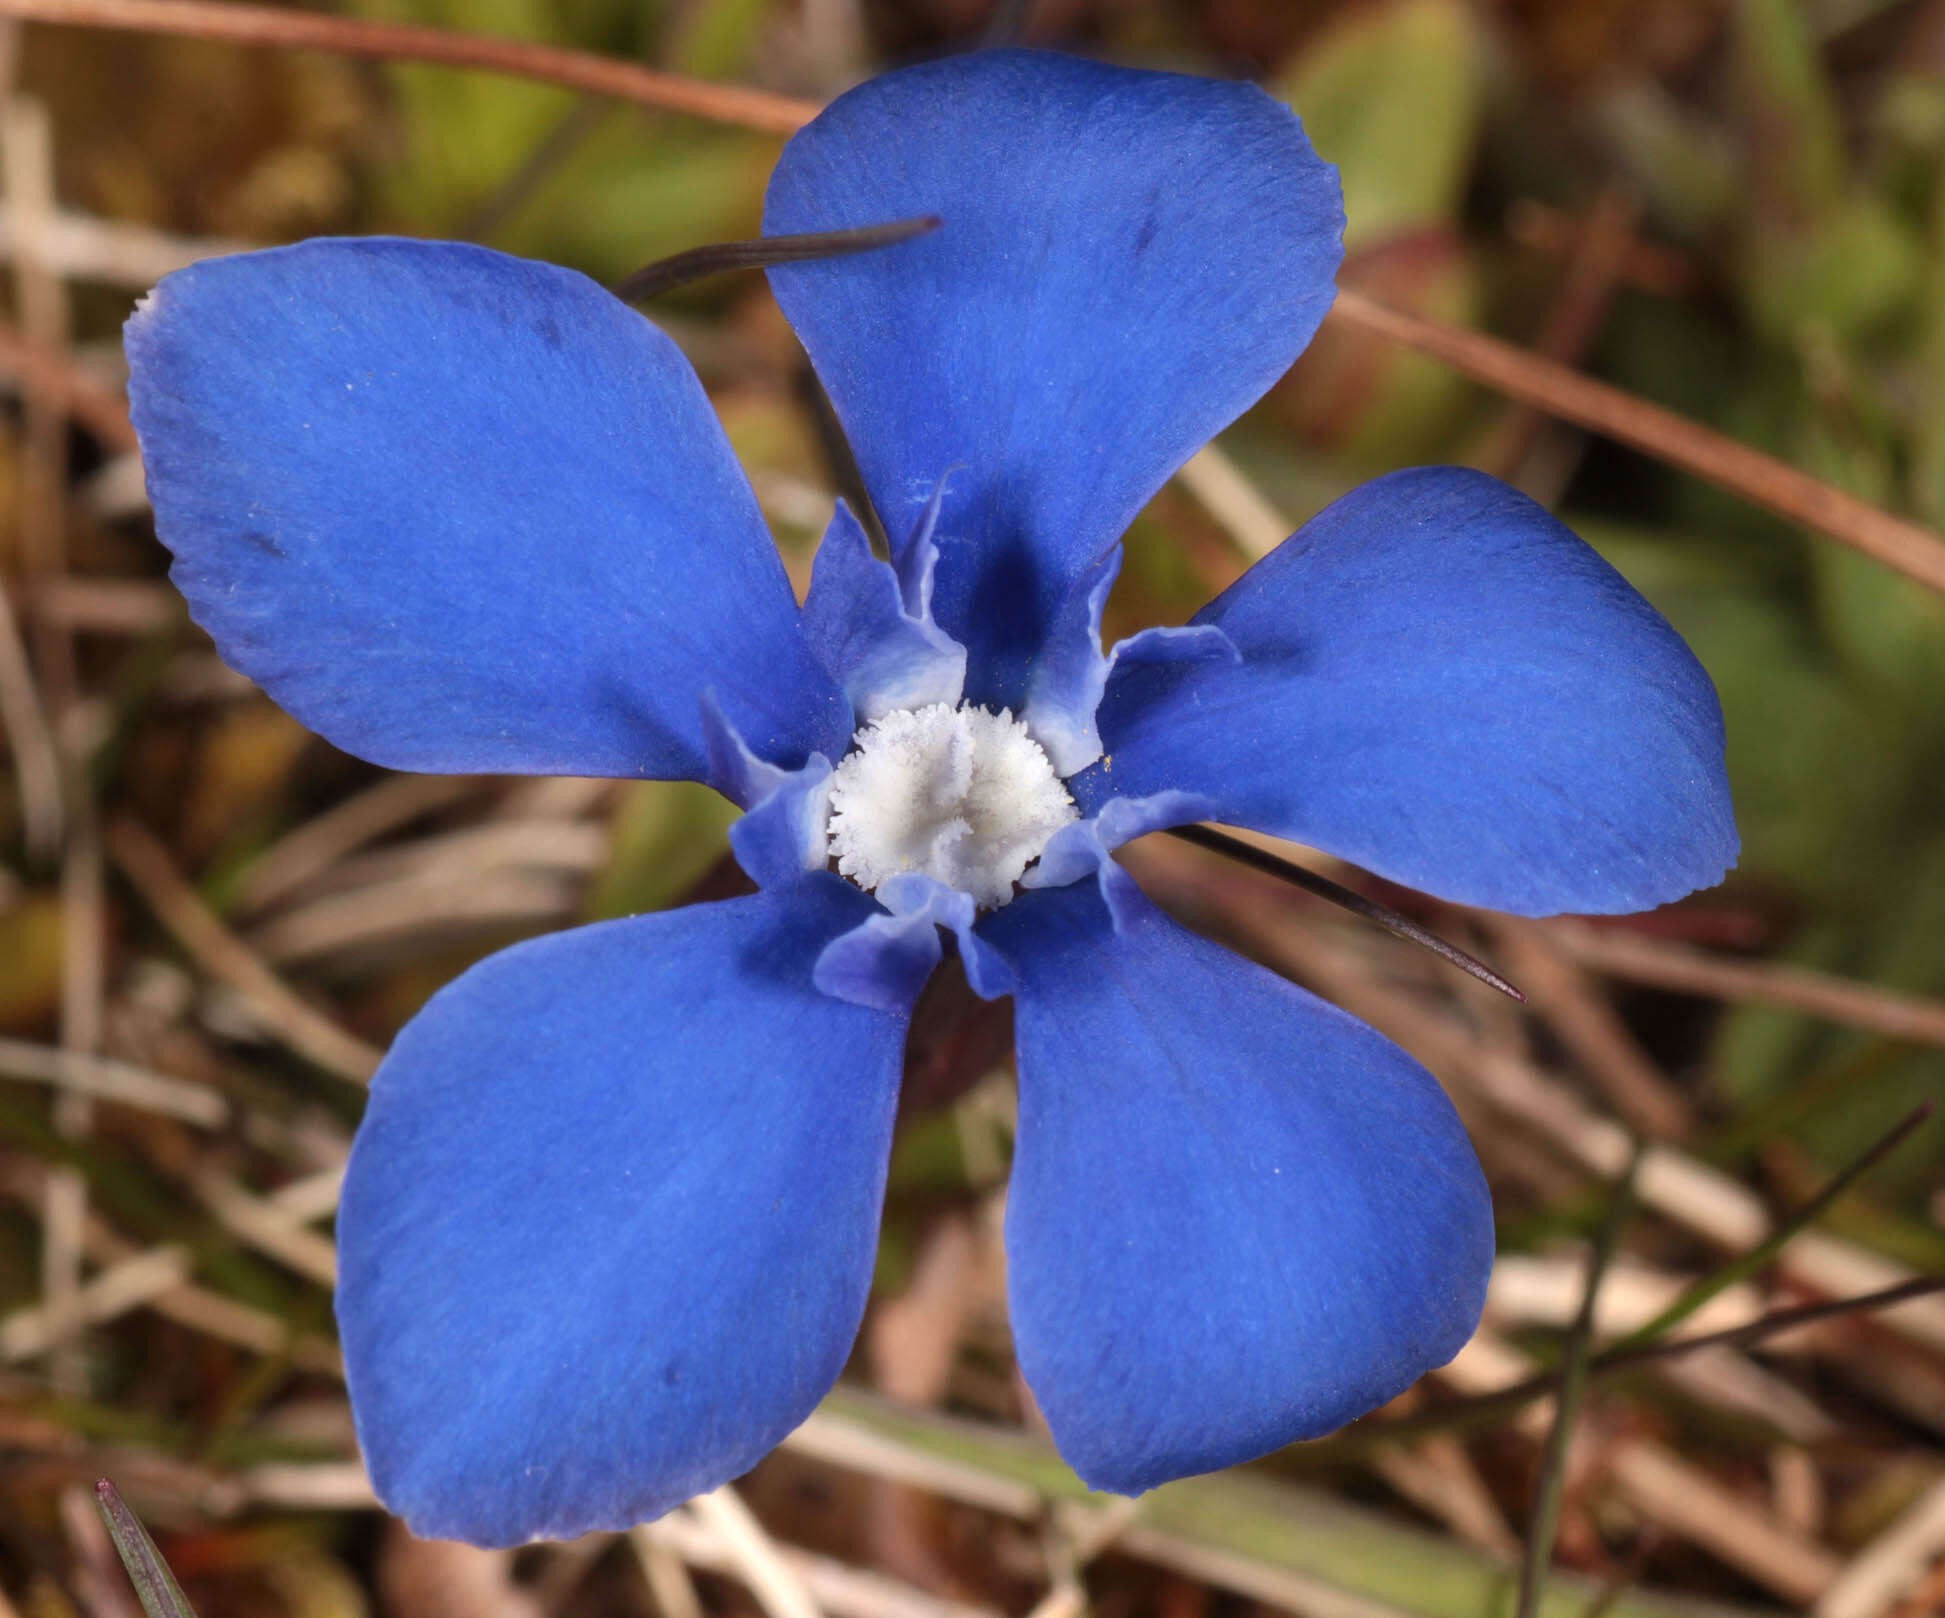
640,189
463,135
1392,96
1817,247
1814,766
715,40
1793,142
667,835
1849,267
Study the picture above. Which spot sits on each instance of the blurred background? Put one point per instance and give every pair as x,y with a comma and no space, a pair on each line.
211,922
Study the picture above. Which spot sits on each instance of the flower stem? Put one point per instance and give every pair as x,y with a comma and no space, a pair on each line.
665,274
1258,859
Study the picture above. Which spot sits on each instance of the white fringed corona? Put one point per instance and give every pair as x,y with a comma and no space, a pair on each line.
962,795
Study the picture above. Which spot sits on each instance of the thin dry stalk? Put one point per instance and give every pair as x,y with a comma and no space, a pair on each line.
1438,1477
408,42
841,1590
313,1486
40,1328
322,841
572,846
313,1197
1564,393
1881,1574
108,606
1688,1502
27,172
1797,1488
79,247
1594,267
498,847
223,955
1072,1538
214,1315
107,1080
37,766
1644,265
269,1230
778,1587
374,917
238,1324
1589,1028
84,971
53,376
673,1591
66,1301
555,797
1556,389
1544,1291
1620,953
1222,490
1662,1487
838,1442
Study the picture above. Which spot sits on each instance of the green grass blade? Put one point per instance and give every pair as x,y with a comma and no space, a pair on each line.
161,1596
1537,1554
1759,1257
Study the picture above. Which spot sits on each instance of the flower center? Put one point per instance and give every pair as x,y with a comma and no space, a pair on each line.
962,795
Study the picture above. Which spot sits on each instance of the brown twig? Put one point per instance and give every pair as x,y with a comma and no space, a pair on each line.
30,739
53,376
1644,265
413,42
1623,953
1758,478
1556,389
1584,1022
1571,324
223,955
317,844
1503,1401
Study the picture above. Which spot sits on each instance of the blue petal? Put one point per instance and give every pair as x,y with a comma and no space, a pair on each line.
885,960
873,632
1440,682
1128,261
1237,1217
1086,847
1069,677
458,511
608,1225
784,830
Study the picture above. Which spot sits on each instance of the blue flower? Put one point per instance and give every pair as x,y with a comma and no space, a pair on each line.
608,1226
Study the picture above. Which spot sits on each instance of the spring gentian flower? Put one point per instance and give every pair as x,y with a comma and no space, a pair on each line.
608,1227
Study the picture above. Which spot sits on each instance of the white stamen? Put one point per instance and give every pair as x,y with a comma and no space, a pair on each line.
962,795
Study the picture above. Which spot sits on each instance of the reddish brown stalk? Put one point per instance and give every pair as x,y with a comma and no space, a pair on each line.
413,42
1623,953
1758,478
51,374
147,865
1556,389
